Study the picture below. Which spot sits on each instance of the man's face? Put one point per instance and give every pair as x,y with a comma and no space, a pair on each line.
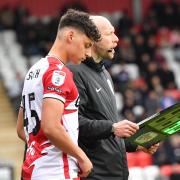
105,47
80,47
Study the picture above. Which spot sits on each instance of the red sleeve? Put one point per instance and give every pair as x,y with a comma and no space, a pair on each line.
56,84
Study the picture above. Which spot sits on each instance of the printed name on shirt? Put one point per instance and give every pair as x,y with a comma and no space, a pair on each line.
54,89
33,74
58,77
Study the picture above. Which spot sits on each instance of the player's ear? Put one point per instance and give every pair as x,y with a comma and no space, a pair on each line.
70,36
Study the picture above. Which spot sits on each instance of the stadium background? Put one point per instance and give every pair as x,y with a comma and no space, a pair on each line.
145,70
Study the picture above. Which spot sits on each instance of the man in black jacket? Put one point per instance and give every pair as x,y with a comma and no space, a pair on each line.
101,133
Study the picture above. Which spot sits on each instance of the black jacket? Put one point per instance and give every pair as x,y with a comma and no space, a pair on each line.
97,113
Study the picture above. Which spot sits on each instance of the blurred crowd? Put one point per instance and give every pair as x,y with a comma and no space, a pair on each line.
141,71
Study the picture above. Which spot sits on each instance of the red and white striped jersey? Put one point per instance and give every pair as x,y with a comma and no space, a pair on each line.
49,78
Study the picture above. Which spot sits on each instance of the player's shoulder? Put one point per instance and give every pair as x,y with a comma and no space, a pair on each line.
56,64
38,66
57,67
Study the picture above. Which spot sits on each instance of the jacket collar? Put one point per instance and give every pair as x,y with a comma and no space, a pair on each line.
93,65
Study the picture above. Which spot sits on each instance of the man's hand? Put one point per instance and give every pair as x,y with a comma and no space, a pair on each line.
85,167
124,128
150,150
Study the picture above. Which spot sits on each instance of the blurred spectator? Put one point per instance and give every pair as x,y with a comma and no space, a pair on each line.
163,37
143,62
175,37
141,91
152,103
125,23
127,54
158,57
167,77
6,18
139,45
165,154
158,8
166,101
152,76
151,45
168,152
175,141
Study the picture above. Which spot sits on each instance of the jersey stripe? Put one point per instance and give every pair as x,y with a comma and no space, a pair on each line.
65,161
66,166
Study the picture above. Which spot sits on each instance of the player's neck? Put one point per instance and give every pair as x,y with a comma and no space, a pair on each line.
55,52
58,50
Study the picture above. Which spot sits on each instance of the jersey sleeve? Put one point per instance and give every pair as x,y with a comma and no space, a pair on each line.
57,84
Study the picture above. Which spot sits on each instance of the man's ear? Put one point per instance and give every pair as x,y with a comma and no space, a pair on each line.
70,36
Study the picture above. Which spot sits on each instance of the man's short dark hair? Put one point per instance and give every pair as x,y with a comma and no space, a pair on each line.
81,21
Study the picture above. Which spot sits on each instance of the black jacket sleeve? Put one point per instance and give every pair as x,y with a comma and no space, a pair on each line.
94,129
88,128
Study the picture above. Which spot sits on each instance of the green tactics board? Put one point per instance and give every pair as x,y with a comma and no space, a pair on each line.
157,127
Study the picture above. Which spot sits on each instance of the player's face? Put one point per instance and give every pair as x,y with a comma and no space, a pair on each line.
105,47
80,48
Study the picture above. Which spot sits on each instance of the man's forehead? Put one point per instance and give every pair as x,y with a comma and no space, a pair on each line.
108,28
98,19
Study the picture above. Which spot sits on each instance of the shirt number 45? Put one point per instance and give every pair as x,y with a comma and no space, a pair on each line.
33,114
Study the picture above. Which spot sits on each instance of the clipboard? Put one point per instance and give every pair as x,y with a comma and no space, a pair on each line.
157,127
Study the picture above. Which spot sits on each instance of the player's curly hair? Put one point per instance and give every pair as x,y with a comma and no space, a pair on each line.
81,21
